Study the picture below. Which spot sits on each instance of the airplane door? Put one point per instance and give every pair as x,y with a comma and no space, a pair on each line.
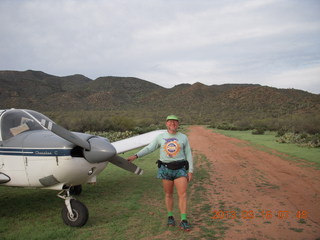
40,170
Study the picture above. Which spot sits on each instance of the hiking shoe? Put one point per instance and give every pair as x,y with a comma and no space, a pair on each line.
171,221
184,225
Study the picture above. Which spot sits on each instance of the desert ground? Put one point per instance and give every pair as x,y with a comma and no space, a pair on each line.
255,194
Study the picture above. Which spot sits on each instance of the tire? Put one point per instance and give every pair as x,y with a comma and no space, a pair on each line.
80,212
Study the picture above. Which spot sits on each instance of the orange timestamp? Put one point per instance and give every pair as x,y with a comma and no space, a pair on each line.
264,214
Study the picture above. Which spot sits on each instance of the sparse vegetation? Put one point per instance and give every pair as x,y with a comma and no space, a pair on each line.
304,139
242,106
268,141
113,136
117,104
259,131
297,229
303,130
101,121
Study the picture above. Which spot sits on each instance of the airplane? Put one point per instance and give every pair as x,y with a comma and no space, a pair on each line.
35,152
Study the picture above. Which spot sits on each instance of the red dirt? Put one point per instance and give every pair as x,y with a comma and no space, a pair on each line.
246,179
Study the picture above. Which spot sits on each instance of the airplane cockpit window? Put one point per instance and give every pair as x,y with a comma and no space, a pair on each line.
39,116
14,122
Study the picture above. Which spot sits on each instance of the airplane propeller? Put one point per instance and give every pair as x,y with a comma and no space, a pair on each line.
95,149
65,134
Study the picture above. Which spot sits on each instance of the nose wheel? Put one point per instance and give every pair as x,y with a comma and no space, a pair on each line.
74,213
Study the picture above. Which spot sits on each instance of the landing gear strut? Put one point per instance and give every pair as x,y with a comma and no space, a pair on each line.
74,213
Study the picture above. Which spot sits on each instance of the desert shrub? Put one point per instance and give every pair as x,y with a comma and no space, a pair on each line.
243,124
258,131
120,123
226,126
212,124
302,139
303,123
281,132
95,121
147,128
113,135
259,124
315,140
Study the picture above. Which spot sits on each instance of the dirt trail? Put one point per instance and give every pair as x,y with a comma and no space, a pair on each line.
247,181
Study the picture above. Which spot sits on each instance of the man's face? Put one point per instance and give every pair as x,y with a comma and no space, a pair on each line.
172,125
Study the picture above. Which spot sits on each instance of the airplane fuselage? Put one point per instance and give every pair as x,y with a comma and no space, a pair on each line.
53,163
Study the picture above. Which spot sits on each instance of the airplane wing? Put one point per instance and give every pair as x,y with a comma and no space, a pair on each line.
135,142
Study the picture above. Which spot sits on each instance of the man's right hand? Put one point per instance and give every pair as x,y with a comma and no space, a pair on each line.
132,158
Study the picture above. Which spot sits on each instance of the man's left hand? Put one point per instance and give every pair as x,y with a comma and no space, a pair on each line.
190,176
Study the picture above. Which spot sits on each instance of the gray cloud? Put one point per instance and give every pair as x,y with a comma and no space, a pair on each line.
274,42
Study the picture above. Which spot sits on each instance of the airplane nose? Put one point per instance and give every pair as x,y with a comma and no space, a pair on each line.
101,150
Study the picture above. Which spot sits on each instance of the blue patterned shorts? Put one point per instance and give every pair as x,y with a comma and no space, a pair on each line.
169,174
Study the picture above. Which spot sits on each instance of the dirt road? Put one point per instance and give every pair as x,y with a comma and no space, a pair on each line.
257,195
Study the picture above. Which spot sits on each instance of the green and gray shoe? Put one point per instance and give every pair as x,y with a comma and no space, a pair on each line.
184,225
171,221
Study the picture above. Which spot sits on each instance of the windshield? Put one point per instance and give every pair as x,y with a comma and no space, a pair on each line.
38,116
14,122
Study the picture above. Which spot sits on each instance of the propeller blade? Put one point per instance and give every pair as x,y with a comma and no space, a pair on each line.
126,165
65,134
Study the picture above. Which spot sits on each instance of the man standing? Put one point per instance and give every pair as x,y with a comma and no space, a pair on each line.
175,167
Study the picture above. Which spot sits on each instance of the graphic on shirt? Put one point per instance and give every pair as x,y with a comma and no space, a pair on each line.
171,147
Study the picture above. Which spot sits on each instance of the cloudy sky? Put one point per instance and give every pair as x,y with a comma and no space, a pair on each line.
168,42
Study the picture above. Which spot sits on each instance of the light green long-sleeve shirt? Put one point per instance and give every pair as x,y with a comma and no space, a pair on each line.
173,147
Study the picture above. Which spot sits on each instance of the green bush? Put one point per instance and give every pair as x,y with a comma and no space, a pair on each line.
113,136
258,131
243,124
226,126
82,121
281,132
304,139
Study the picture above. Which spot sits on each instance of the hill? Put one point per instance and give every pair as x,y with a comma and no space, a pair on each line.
195,103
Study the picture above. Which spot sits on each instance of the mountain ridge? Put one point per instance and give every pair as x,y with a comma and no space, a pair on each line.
44,92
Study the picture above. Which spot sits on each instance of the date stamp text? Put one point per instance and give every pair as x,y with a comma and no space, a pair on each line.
264,214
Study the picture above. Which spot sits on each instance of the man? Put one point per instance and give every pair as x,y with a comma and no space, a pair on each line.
175,167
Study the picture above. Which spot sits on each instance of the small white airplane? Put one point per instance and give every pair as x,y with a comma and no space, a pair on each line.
36,152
